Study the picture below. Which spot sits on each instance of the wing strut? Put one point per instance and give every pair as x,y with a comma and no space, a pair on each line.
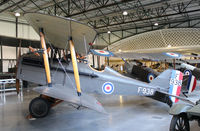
75,66
45,57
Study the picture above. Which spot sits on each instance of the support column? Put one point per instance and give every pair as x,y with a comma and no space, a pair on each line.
1,57
18,55
108,59
98,61
174,63
16,27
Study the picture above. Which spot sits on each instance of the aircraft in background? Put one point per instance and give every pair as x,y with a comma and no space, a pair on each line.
67,80
135,69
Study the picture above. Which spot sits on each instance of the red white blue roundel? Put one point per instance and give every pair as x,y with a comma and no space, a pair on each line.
173,55
187,72
108,88
102,52
150,77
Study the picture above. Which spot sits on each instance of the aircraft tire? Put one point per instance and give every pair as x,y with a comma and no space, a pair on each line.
39,107
179,123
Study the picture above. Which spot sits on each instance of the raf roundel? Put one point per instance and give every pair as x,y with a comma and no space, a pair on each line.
150,77
173,55
187,72
102,52
108,88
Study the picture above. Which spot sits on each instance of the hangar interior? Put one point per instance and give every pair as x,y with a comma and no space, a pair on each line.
121,26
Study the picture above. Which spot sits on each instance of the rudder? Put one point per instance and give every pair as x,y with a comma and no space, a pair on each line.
175,85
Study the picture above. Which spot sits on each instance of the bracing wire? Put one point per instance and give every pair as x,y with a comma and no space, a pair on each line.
59,61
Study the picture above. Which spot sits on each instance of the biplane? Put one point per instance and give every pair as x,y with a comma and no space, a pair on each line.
135,69
67,80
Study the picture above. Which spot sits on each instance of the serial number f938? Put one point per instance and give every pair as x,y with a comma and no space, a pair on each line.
145,91
175,82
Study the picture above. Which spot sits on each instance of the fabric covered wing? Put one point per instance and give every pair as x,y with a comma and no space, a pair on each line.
149,56
70,95
57,31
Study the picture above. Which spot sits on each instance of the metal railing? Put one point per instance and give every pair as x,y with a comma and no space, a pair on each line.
3,88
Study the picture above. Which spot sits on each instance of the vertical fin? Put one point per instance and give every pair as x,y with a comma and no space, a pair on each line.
175,85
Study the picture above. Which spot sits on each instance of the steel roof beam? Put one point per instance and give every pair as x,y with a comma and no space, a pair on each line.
15,4
4,2
139,20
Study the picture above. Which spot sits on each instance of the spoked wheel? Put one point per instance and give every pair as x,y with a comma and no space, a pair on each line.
39,107
179,123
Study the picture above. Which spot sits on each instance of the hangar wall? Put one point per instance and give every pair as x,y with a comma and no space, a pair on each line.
8,27
9,57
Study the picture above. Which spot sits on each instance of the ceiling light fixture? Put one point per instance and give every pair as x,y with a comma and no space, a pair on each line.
125,13
17,14
156,24
169,45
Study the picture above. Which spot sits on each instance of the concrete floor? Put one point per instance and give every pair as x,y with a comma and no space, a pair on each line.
125,113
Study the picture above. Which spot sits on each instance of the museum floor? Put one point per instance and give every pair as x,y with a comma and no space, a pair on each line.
125,114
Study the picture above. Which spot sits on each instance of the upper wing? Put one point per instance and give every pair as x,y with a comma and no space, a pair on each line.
57,31
102,53
149,56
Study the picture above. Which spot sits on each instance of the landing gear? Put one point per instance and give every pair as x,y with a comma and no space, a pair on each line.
168,101
39,107
179,123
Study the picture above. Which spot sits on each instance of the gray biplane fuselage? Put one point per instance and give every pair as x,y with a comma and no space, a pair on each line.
102,82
